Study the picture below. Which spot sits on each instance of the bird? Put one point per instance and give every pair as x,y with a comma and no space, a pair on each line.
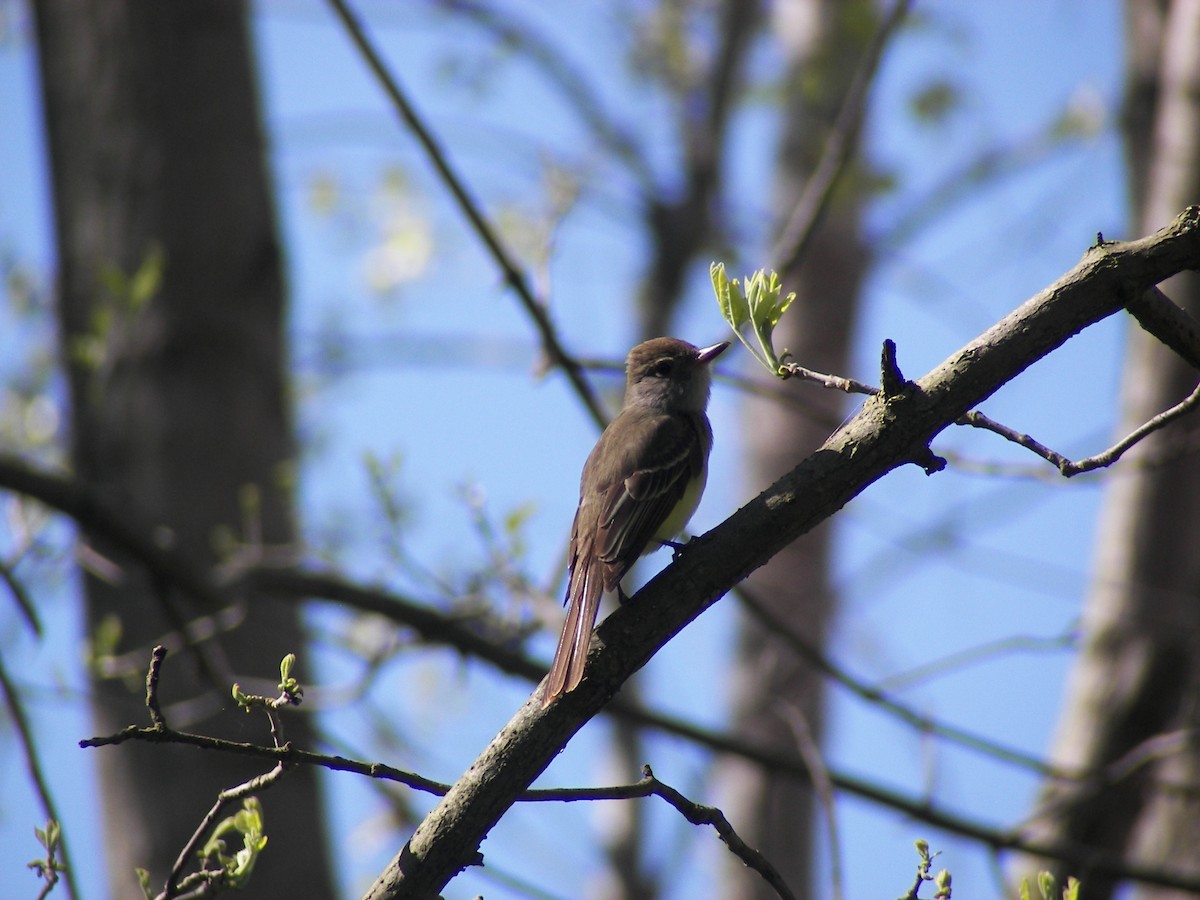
639,486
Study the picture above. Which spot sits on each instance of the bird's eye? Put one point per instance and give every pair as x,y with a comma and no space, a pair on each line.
662,368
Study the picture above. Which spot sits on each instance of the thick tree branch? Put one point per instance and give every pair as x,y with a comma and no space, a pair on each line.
1160,316
881,437
67,495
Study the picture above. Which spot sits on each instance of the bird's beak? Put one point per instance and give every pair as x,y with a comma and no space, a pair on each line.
708,354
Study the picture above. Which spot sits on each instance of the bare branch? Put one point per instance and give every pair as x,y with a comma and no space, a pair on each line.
510,30
977,419
695,813
1088,464
833,382
514,275
24,602
818,773
794,237
710,815
16,712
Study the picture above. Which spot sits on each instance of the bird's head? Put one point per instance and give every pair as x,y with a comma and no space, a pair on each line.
670,374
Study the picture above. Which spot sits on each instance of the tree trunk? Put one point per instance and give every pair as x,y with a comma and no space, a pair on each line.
778,697
179,411
1136,684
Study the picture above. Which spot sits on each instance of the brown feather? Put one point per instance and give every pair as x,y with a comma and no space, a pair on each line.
632,487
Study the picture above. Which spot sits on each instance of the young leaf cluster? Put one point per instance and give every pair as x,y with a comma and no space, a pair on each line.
753,307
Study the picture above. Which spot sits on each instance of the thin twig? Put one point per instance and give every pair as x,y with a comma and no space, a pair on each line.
833,382
810,752
917,808
873,694
1111,455
24,602
511,31
711,815
1100,460
224,798
513,274
16,712
286,754
156,660
695,813
794,238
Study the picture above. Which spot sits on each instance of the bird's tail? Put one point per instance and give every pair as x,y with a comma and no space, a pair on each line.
584,589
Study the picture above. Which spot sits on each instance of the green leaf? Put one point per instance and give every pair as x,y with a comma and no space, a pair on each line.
143,878
729,298
757,308
942,881
239,697
767,306
147,280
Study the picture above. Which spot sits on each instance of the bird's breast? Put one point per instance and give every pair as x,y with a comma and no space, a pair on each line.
678,518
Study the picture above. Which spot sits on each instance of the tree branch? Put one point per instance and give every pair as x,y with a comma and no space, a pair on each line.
881,437
511,31
16,712
514,275
67,495
1159,315
1069,468
843,139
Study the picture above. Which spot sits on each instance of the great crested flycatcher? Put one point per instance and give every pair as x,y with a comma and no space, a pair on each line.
639,487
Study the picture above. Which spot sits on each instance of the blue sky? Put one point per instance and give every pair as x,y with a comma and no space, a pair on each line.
928,566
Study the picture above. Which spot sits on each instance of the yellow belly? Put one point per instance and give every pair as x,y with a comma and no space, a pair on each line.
682,513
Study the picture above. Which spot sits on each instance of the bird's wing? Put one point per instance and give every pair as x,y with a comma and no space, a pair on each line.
635,507
617,519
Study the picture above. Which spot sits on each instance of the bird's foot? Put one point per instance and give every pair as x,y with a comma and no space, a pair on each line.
676,548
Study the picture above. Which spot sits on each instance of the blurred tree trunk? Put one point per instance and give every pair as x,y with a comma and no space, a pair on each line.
681,221
778,699
1136,684
179,399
